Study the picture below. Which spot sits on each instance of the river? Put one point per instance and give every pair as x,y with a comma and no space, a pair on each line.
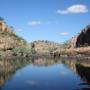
44,74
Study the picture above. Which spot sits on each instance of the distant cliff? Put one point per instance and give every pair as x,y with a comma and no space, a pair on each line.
45,46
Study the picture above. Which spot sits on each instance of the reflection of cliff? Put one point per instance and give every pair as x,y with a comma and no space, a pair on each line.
6,71
84,72
8,68
45,61
81,67
71,64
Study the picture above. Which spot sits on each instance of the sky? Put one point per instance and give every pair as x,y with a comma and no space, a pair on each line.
52,20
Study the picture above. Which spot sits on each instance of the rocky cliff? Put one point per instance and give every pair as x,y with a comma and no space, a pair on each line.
8,38
82,39
45,46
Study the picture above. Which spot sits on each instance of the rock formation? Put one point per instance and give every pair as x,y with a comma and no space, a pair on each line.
8,38
82,39
45,46
5,28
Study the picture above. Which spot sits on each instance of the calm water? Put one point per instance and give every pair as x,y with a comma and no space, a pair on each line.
44,74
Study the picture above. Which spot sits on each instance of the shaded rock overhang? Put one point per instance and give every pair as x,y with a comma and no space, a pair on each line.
83,38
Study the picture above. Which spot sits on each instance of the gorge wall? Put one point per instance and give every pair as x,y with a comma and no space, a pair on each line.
8,38
82,39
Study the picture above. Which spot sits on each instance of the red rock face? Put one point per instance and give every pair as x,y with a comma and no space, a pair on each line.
82,39
8,39
5,28
2,25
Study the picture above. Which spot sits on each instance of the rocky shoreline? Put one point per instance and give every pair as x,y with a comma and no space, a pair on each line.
83,53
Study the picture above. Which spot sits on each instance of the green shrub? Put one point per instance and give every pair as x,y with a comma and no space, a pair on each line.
23,51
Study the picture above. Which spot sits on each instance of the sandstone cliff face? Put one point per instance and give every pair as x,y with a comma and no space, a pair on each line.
72,42
82,39
5,28
45,46
8,38
8,42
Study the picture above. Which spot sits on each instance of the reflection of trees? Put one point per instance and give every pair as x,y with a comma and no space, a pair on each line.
71,64
8,68
45,62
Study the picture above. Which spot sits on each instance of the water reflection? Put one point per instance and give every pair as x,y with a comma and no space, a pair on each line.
82,68
43,73
84,73
8,67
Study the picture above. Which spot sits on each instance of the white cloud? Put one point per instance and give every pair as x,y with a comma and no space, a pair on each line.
34,23
79,8
19,30
64,33
38,23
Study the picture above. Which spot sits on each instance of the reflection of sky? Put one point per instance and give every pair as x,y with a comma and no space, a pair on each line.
46,78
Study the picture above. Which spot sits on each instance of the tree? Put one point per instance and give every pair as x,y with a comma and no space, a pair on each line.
32,45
